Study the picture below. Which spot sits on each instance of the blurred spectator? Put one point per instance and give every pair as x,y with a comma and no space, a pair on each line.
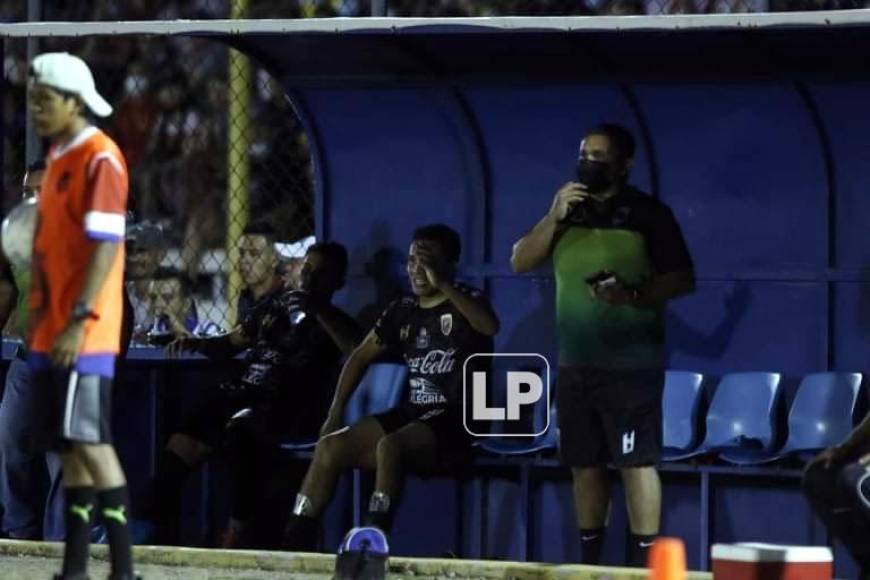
135,115
173,309
144,250
623,8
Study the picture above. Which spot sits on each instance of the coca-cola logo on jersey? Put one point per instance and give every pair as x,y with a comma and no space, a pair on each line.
436,362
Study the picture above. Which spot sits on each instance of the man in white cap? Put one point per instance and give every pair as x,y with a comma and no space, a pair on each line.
76,305
292,256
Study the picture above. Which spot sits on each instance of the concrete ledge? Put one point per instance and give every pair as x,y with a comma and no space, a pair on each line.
322,564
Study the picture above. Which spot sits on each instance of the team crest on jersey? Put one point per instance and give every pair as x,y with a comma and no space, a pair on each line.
423,338
63,182
404,332
446,324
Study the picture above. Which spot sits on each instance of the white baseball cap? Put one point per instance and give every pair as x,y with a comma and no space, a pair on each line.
296,249
69,73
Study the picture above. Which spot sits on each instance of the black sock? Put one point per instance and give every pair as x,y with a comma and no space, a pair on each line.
591,543
79,515
114,505
380,520
301,534
638,549
164,505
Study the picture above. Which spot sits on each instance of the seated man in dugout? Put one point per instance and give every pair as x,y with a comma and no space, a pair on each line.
295,341
435,330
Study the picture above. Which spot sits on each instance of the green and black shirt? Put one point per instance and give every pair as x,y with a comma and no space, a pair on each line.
636,237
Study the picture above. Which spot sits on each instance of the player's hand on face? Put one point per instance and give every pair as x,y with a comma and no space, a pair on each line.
567,197
65,349
434,268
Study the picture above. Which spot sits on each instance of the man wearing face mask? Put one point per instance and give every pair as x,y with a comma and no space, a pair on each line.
619,257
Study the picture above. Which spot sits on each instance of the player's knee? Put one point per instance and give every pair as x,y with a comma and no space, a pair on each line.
239,438
852,481
390,448
331,450
187,448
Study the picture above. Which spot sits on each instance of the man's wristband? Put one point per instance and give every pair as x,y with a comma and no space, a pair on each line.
82,312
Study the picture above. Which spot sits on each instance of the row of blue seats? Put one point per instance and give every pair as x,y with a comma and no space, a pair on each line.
741,422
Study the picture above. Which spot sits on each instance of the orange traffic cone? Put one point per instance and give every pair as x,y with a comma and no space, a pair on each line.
667,560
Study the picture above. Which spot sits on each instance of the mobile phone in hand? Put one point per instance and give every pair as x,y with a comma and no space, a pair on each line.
602,280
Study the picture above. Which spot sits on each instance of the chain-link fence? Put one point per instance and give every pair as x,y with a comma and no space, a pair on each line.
211,141
212,144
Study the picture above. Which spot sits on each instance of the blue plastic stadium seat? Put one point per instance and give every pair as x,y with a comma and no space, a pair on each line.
380,389
741,415
681,403
820,416
544,420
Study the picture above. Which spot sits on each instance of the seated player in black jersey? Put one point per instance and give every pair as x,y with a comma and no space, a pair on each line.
435,330
294,340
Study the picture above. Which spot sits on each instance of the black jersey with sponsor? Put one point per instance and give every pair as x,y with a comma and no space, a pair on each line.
435,343
291,354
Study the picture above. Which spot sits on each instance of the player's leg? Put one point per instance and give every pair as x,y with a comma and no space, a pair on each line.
633,420
188,448
51,424
80,507
182,454
839,495
349,447
53,527
411,449
252,454
22,471
87,427
582,447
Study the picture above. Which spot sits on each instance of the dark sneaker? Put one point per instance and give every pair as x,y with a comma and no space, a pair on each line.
363,555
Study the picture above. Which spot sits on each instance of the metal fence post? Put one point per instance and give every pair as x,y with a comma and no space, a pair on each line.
33,145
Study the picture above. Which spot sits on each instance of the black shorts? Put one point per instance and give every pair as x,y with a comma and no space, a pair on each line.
70,408
609,416
453,441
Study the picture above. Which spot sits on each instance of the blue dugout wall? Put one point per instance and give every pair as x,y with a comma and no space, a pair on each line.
757,138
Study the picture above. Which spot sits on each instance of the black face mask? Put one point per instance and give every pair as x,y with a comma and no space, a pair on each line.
595,175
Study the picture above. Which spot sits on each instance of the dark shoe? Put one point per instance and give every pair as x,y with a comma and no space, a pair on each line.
235,536
301,534
132,576
76,577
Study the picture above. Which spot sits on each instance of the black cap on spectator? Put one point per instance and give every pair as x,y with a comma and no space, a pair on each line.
145,236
